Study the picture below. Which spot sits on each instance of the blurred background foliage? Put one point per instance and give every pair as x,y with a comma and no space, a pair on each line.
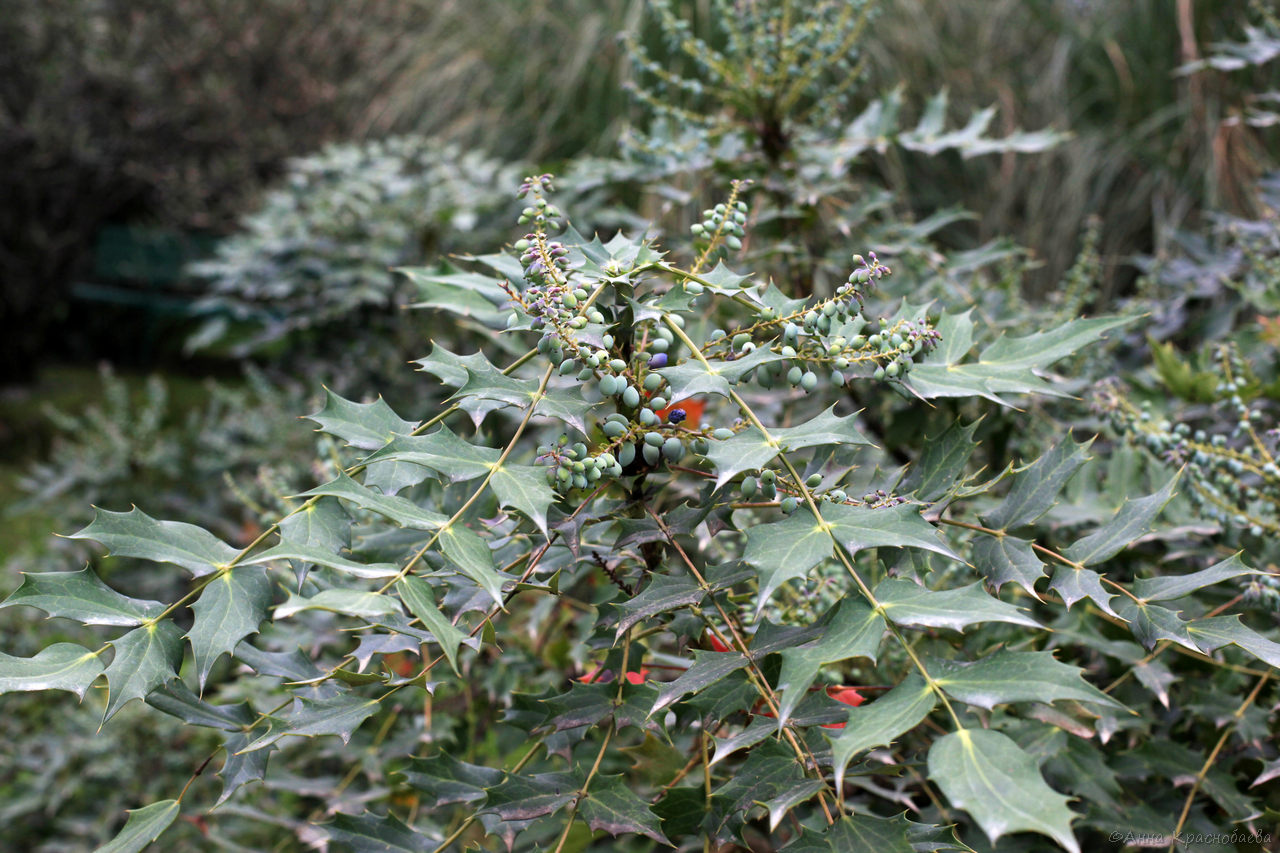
210,195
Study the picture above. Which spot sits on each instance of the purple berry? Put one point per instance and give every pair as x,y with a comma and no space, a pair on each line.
659,360
675,416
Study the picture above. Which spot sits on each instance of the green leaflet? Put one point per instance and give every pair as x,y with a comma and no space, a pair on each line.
942,463
770,777
821,430
402,511
612,806
1007,558
229,609
789,548
351,602
693,378
441,451
371,832
1036,488
748,450
144,826
988,775
463,293
859,832
62,666
445,779
1176,586
319,556
81,596
663,594
417,596
1151,623
524,488
853,630
471,556
1217,631
340,716
1131,521
905,602
176,699
366,426
145,659
1007,366
880,722
136,534
1009,676
239,768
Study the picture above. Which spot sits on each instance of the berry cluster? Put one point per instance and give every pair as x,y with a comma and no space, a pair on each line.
828,338
1235,478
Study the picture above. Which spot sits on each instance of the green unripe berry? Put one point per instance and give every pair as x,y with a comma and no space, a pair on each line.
631,397
653,382
659,345
569,300
613,429
814,481
879,374
794,375
722,434
809,381
892,370
718,334
653,438
617,365
564,475
648,418
768,476
768,491
788,505
626,454
607,340
740,340
658,402
584,374
652,454
673,449
567,367
748,487
608,385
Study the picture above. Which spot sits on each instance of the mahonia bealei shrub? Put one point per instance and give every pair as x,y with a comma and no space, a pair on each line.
649,585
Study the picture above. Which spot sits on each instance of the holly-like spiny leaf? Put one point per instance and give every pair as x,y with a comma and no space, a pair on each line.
853,630
61,666
229,609
1172,587
1131,521
905,602
417,595
880,722
143,827
612,806
340,715
1009,676
81,596
988,775
136,534
366,426
1036,488
145,658
373,833
400,510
